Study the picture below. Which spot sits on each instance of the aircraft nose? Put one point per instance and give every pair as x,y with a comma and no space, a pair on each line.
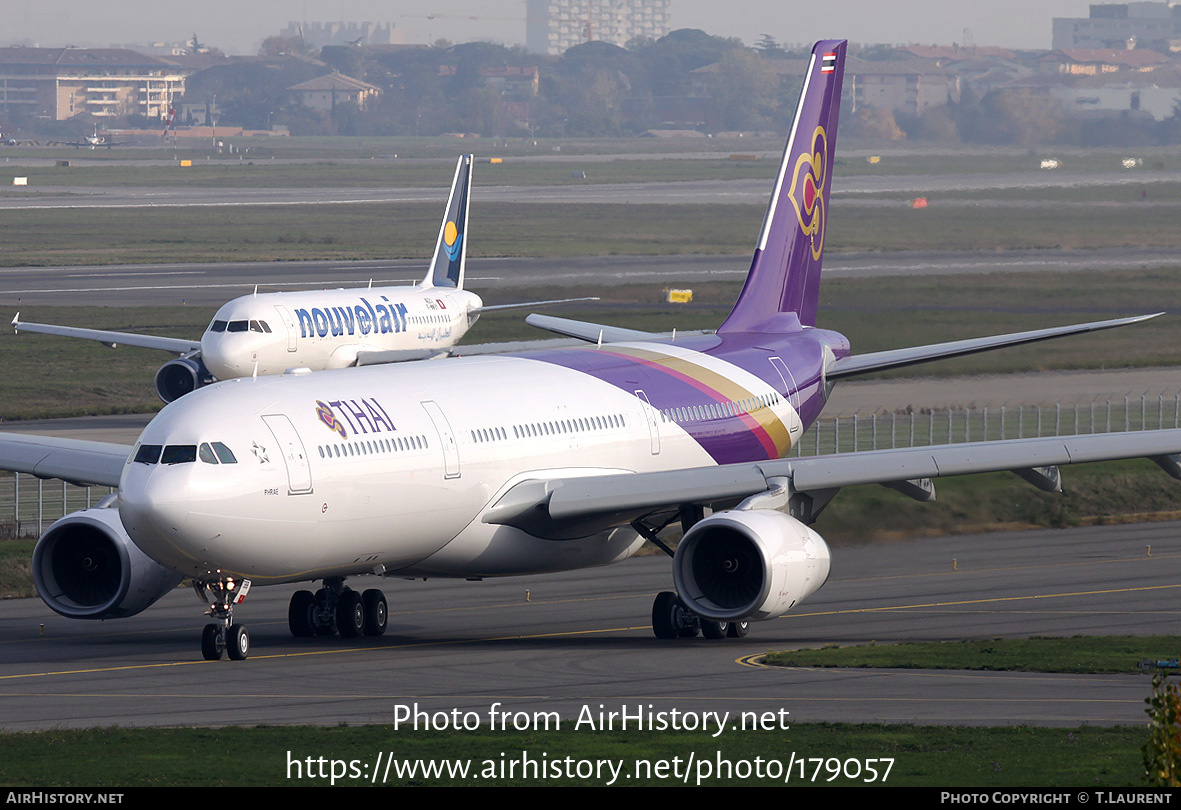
153,510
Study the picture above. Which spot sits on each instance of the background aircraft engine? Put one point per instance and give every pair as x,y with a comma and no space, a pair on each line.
749,564
86,567
181,376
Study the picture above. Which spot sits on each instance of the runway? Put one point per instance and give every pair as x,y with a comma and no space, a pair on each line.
213,284
559,642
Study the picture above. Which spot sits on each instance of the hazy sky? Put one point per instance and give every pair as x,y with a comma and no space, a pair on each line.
238,26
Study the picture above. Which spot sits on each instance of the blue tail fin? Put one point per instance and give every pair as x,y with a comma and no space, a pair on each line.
447,266
785,273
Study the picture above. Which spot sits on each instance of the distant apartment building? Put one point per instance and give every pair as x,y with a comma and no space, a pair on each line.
909,85
61,83
319,34
1156,26
554,26
326,92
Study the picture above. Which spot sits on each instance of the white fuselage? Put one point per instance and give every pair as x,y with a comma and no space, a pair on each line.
322,329
389,469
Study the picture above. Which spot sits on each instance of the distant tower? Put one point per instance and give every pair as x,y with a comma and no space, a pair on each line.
553,26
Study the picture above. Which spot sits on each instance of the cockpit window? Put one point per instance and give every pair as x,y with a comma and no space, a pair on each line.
265,327
217,326
148,453
223,453
255,326
238,326
205,453
179,454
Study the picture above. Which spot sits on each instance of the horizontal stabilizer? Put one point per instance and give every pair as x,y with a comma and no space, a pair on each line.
898,358
596,332
174,345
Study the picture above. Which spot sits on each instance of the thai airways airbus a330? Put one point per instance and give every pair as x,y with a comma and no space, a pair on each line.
505,465
324,329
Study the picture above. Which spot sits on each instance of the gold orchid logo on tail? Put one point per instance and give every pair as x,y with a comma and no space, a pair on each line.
807,191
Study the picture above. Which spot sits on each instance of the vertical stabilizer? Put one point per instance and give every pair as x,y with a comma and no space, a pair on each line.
785,273
447,266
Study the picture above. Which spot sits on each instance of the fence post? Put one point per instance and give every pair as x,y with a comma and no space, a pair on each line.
1057,418
836,434
893,426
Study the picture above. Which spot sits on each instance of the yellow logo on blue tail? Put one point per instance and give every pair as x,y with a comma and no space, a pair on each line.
807,191
452,239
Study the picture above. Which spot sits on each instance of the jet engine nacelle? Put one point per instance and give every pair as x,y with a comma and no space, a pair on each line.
748,564
86,567
181,376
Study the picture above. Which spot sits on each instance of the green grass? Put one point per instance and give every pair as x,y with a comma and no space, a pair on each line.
922,756
1081,654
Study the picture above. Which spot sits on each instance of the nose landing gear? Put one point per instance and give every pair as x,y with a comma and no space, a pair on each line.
222,635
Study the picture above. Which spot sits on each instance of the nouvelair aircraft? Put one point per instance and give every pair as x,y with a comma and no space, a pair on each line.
503,465
323,329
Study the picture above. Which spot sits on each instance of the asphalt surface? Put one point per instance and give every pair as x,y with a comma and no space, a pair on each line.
213,284
561,642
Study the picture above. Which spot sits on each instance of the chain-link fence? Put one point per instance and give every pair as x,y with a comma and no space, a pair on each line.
910,428
29,505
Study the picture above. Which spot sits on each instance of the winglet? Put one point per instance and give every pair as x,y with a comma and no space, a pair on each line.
447,265
785,272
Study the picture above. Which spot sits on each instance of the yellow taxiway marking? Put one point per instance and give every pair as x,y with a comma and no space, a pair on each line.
992,600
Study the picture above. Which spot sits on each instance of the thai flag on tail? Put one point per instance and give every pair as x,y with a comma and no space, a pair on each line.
829,63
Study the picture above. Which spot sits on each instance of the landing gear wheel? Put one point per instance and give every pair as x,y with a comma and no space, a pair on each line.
350,614
671,619
323,599
738,629
301,614
212,643
376,612
714,630
237,642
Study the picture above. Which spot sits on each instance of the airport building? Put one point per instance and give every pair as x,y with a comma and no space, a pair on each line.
554,26
61,83
1156,26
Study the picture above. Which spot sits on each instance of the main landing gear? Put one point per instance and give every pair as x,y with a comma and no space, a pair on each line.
671,619
335,608
222,635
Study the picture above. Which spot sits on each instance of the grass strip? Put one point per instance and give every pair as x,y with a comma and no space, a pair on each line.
1079,654
922,756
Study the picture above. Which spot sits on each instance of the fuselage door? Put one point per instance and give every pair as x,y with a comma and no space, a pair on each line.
653,422
292,329
793,395
299,473
446,438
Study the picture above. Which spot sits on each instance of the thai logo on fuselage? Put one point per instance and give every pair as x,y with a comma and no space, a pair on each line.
364,416
452,239
329,418
807,191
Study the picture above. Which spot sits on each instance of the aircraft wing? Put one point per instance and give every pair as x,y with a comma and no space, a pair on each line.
897,358
526,304
562,508
597,332
376,358
73,460
175,345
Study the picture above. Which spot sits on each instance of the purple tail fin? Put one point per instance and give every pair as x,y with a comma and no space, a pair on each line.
785,273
